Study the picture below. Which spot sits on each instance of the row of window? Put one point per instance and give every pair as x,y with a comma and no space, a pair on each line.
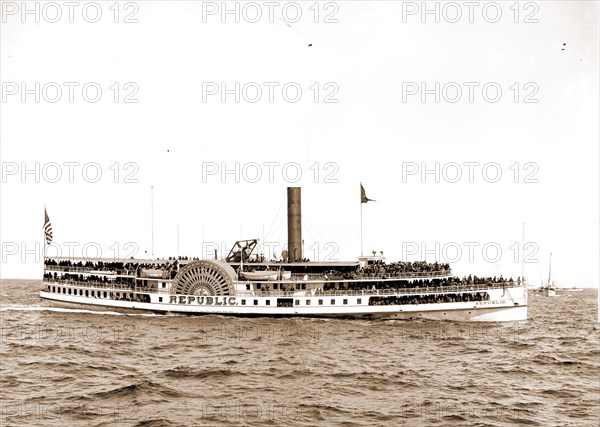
267,286
148,283
281,303
86,292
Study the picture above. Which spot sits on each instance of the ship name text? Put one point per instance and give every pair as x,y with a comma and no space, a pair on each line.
185,299
498,301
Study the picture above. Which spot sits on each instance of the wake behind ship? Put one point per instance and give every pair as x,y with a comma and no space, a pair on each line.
244,284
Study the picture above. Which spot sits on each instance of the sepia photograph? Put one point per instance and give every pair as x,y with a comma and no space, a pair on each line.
299,213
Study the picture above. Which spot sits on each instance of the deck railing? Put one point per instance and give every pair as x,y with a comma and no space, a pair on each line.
300,293
298,277
89,270
91,285
384,292
105,286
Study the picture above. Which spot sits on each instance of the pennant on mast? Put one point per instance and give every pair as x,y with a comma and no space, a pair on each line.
363,195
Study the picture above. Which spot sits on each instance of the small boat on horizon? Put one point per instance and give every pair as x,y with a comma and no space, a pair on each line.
549,290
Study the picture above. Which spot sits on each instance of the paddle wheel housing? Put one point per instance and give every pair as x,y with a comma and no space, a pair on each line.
204,278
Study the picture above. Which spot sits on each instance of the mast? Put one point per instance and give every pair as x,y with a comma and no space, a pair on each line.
363,199
44,238
361,228
523,254
550,270
47,233
152,216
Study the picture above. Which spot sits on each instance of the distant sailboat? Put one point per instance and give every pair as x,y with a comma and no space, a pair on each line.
549,290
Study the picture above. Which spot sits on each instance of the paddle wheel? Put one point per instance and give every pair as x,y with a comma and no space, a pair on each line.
204,278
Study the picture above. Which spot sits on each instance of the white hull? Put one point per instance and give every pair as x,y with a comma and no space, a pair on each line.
366,288
502,306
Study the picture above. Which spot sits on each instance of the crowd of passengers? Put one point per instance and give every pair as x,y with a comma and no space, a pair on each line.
379,268
122,268
262,259
89,278
445,282
376,270
429,299
394,269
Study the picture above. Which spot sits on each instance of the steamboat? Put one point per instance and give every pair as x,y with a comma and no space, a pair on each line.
245,284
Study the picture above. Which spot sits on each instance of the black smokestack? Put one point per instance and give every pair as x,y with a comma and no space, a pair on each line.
294,224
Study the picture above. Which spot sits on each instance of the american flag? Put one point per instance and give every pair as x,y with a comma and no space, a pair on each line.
47,228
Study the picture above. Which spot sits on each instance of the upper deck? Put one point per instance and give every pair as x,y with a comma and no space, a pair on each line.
166,269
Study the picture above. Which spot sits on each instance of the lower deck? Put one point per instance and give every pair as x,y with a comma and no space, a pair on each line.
485,305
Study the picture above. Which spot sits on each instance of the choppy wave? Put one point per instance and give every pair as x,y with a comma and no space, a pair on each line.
78,367
20,307
186,372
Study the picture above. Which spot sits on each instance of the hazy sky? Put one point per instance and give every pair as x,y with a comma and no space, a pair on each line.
499,103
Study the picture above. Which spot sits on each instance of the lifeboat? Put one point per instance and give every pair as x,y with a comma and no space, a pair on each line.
260,275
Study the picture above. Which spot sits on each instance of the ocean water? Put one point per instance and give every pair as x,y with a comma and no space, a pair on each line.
67,367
